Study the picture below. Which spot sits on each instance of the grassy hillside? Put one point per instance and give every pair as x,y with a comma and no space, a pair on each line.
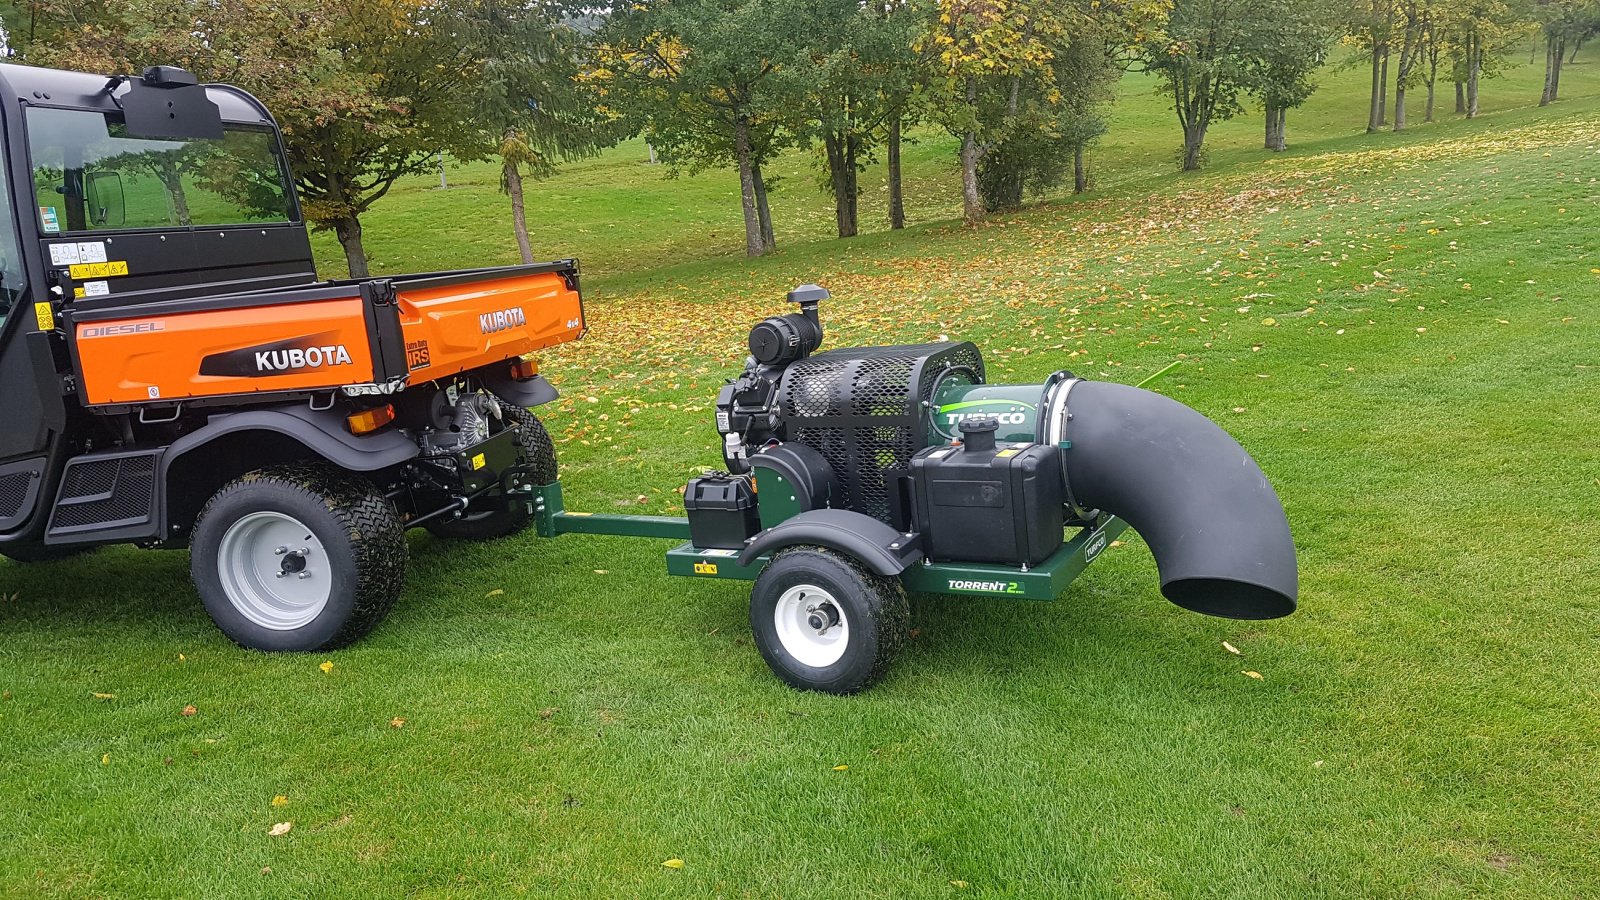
1401,329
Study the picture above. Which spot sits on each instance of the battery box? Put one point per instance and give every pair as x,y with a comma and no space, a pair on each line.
983,501
722,511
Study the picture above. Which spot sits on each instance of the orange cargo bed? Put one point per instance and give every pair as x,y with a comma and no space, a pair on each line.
370,335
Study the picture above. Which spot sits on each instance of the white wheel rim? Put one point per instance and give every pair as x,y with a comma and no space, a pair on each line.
794,617
274,571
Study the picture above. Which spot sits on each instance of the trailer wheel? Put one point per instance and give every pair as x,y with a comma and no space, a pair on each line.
824,622
495,517
298,558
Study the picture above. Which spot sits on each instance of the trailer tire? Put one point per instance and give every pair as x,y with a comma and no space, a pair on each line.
298,558
867,614
493,517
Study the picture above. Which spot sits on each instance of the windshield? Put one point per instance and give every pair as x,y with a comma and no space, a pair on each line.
89,175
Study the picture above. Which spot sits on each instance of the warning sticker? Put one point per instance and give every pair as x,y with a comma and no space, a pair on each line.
92,252
64,255
96,288
84,271
45,316
48,220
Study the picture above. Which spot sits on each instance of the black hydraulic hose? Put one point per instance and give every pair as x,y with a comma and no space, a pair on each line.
1215,526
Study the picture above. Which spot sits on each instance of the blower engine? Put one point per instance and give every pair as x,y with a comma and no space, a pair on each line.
915,436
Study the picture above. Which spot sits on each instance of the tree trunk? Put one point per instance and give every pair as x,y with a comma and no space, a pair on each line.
764,212
1271,140
971,197
1474,66
355,253
897,202
1545,96
841,174
1399,107
1375,105
1461,97
1555,84
172,180
1427,112
754,244
1280,139
1080,171
1194,138
512,174
1383,88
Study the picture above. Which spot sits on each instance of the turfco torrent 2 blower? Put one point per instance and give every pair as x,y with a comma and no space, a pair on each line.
860,473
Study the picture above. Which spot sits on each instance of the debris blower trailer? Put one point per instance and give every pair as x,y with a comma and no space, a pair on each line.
177,376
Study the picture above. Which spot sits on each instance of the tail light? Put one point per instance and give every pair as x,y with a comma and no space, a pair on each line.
370,420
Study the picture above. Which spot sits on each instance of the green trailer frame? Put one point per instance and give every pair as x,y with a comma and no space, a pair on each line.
1045,581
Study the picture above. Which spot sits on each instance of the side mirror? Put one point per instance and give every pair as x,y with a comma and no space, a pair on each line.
108,207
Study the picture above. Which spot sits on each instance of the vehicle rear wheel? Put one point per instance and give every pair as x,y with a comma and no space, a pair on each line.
298,558
496,516
824,622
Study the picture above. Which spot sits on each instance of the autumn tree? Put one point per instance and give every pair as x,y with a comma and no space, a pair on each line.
856,80
1206,53
366,91
1291,46
701,78
1049,122
984,54
537,108
1562,22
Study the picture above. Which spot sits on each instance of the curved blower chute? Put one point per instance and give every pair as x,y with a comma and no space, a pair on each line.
1212,521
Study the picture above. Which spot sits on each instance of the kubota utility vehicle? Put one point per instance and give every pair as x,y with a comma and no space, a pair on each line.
174,373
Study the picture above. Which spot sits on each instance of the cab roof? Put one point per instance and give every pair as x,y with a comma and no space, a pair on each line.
83,90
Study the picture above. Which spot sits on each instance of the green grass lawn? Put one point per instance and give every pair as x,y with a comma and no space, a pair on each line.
1400,328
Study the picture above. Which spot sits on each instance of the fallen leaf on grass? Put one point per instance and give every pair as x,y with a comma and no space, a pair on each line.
281,829
545,714
673,863
326,667
105,759
190,710
841,768
958,884
1317,764
99,696
1255,675
602,572
1231,648
397,722
280,800
494,593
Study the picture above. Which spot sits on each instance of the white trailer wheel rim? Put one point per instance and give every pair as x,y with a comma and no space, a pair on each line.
274,571
792,617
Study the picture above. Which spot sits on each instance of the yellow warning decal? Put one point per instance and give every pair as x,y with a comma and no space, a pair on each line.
111,269
705,568
79,293
45,316
478,462
1006,454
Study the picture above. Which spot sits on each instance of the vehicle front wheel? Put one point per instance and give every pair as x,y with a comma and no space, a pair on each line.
824,622
298,558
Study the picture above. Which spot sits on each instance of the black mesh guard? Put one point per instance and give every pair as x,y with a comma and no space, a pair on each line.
861,408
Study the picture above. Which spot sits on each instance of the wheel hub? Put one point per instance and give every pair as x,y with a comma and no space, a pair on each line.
274,571
811,626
